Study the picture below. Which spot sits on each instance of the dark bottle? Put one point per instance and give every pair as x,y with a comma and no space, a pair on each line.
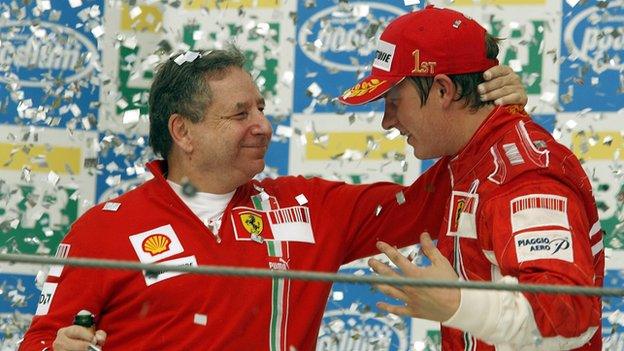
85,319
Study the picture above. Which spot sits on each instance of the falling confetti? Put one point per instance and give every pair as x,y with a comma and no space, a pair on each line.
111,206
188,189
400,198
200,319
378,210
301,199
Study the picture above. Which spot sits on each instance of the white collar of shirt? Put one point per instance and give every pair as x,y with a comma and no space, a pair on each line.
206,206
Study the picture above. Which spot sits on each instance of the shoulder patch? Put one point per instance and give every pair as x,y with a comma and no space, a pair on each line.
538,210
61,252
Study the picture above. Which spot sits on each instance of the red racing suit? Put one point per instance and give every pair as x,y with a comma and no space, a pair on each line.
521,210
265,225
515,205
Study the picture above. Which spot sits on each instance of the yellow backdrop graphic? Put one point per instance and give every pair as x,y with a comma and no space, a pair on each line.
603,145
338,142
230,4
41,158
141,18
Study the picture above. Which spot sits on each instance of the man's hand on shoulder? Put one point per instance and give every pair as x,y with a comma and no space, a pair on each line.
503,86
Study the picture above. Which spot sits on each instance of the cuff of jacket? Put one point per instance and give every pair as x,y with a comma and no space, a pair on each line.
478,312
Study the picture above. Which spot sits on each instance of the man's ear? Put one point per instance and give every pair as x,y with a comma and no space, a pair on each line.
179,129
444,90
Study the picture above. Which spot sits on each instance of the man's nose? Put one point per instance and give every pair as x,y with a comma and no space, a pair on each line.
262,124
388,120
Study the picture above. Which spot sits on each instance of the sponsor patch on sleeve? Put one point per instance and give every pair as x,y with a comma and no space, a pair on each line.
544,244
45,299
61,252
538,210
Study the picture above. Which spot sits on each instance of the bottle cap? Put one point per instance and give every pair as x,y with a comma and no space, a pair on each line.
85,319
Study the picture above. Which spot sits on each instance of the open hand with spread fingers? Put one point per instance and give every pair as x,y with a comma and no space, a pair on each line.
436,304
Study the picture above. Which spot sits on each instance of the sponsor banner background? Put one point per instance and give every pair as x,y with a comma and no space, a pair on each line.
592,45
336,44
135,34
351,321
302,54
530,30
50,64
353,150
612,317
46,183
16,306
597,140
123,161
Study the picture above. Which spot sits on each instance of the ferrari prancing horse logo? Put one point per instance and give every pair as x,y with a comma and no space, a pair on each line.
460,208
252,222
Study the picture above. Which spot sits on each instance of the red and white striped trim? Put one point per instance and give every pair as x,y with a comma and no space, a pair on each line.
545,201
595,229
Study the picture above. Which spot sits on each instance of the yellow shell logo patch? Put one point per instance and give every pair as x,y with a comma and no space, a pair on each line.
252,222
155,244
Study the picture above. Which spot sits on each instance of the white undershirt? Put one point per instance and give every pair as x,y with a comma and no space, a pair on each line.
207,206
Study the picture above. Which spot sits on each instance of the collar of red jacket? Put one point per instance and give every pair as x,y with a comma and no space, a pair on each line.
158,168
496,124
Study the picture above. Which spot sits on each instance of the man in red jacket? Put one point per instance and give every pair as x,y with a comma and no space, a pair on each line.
520,209
208,124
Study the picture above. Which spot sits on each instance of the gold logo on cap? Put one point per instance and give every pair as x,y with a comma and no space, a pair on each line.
422,67
362,88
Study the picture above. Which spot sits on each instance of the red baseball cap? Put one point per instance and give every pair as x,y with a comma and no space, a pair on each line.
423,43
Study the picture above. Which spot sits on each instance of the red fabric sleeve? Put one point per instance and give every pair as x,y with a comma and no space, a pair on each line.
76,289
539,232
371,212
